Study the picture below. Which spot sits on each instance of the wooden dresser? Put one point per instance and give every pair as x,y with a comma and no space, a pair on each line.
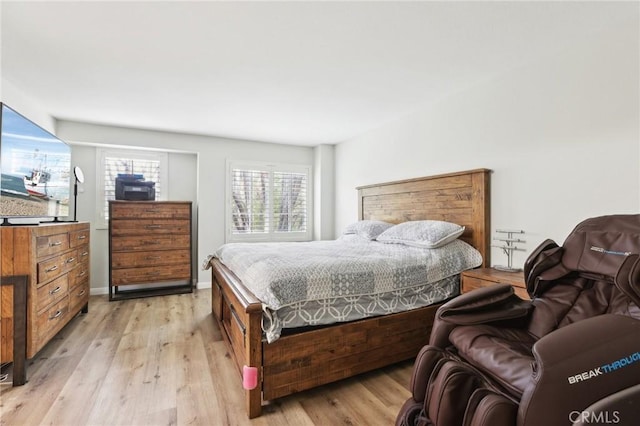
56,259
484,277
149,248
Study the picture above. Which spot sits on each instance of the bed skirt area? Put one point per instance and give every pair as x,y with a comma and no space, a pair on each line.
353,308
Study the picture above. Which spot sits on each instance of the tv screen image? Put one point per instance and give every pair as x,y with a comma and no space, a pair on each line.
35,169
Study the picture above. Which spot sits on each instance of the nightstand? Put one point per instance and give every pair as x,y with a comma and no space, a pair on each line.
484,277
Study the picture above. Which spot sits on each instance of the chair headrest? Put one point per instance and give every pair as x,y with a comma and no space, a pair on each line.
600,245
597,247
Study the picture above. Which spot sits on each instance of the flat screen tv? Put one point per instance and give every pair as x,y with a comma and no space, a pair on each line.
35,167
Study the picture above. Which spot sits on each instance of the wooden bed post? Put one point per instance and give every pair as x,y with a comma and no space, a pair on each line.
253,353
481,213
239,315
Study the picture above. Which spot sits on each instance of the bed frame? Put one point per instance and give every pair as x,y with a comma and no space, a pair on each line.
309,358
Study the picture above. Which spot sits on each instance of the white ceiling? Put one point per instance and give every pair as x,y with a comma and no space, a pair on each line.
291,72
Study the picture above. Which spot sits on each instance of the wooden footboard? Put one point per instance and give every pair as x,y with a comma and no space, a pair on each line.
305,360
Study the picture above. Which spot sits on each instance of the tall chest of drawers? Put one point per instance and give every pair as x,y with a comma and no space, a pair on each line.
56,259
149,248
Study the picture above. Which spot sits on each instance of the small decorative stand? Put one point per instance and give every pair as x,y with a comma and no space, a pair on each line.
508,247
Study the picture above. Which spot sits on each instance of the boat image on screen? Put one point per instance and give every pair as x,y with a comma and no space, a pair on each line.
35,170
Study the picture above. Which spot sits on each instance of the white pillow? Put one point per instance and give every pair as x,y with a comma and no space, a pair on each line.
422,233
353,238
368,229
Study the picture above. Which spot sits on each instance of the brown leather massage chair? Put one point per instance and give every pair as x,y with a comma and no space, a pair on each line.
571,355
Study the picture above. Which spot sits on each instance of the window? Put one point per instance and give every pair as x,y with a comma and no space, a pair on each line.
268,202
152,165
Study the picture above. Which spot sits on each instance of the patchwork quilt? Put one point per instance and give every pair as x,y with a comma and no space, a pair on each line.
321,282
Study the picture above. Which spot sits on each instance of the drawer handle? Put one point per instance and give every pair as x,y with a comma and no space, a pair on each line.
55,290
154,257
153,226
58,313
82,237
55,243
153,210
82,293
82,274
53,268
71,260
150,243
84,253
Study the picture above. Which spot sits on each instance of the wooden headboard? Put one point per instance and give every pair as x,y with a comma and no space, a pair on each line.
461,197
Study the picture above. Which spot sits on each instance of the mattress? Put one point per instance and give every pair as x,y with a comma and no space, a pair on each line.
323,282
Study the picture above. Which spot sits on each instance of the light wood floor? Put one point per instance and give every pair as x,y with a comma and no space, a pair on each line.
161,361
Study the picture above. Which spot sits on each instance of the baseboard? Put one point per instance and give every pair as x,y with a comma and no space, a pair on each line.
202,285
98,291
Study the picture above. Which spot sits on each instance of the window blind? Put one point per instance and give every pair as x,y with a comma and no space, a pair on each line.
149,169
250,201
267,201
290,202
151,165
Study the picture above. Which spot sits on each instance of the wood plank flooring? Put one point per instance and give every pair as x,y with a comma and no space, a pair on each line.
162,361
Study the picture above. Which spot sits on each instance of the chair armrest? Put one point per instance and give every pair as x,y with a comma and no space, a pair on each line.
481,306
621,408
580,364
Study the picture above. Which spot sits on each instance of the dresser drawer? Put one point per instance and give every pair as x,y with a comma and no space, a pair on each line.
51,244
149,211
148,226
51,320
78,238
470,283
150,242
78,275
48,270
485,277
78,297
69,260
83,254
150,274
52,292
51,268
149,258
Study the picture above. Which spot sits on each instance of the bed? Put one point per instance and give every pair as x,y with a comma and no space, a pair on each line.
312,356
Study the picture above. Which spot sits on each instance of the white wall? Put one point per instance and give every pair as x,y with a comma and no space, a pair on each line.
323,192
561,135
212,154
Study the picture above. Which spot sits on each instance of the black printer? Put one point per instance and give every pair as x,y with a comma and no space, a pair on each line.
134,188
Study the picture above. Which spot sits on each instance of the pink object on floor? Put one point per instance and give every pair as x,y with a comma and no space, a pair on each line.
249,377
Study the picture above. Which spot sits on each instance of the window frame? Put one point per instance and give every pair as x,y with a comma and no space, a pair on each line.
102,222
272,235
